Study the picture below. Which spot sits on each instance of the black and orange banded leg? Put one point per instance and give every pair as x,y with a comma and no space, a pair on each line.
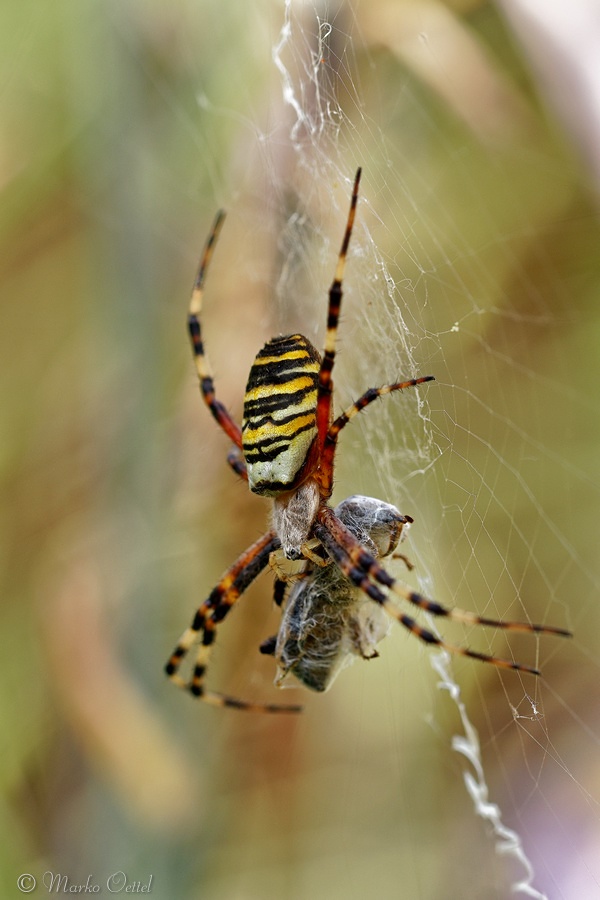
204,626
325,385
236,461
257,554
342,420
280,588
207,386
364,570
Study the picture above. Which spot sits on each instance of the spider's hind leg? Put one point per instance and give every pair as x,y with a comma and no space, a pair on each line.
204,627
365,572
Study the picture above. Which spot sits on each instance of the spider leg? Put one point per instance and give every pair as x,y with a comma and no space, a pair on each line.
371,567
257,553
342,420
368,397
210,614
205,377
409,565
267,647
280,588
279,591
236,461
325,386
360,567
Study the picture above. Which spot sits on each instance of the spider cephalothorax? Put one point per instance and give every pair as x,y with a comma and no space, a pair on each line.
285,450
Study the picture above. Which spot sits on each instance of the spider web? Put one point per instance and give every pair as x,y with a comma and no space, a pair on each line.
453,271
473,259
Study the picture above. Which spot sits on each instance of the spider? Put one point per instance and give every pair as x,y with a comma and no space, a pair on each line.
285,449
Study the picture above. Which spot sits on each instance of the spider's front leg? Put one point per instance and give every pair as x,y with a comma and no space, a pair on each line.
327,430
325,383
204,626
205,377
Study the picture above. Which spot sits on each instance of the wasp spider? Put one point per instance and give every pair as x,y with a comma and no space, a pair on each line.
285,449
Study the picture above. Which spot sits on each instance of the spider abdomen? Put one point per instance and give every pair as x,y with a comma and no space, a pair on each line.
280,423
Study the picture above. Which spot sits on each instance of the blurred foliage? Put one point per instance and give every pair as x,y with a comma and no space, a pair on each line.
124,126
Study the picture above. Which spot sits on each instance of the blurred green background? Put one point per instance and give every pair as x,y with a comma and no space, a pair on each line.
124,127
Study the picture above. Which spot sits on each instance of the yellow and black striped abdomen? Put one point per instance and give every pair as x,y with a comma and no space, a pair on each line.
280,422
